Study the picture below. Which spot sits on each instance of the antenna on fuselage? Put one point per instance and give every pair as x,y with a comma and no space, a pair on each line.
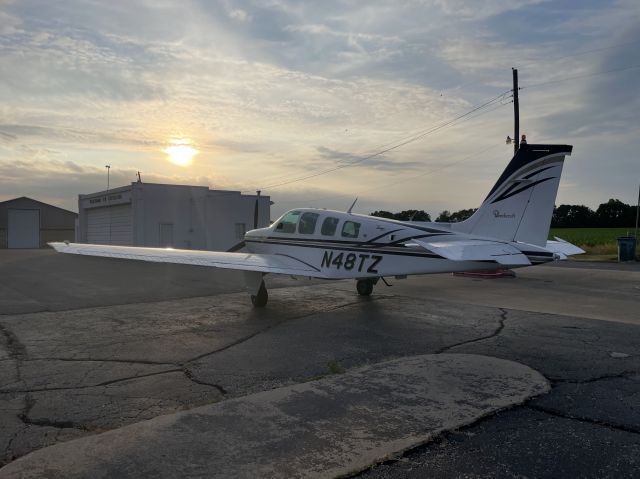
352,205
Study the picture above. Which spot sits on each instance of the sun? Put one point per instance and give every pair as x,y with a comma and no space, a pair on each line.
181,152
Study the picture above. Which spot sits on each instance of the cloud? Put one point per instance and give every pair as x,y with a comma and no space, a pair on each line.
8,23
380,162
61,181
239,15
257,86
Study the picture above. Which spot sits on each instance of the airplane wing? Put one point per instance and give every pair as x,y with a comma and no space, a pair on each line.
476,250
264,263
563,248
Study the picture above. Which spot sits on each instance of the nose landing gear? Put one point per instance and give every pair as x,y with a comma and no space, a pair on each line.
260,299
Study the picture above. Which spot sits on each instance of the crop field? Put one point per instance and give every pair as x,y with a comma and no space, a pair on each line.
595,241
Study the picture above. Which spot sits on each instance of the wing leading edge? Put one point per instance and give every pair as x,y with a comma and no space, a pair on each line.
263,263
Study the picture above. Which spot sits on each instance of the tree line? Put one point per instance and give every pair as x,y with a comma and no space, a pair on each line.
612,214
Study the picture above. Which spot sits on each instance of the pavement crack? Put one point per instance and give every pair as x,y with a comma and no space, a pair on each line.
597,422
17,350
15,347
88,386
189,374
268,328
496,332
93,360
621,375
44,422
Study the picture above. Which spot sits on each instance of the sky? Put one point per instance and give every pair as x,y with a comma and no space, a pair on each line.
271,94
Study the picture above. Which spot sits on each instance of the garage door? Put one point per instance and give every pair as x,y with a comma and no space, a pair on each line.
111,225
24,228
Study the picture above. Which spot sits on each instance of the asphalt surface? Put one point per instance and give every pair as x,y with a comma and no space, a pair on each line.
324,428
89,345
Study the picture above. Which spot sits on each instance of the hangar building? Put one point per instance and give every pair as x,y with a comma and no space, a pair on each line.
29,223
157,215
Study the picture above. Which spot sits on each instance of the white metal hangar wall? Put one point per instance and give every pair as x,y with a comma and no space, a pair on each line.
179,216
29,223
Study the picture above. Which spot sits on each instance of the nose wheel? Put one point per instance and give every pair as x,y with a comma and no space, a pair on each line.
260,299
365,287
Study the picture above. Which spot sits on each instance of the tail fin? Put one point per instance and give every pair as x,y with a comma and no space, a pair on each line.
520,205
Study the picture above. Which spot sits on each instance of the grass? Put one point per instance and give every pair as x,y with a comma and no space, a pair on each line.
599,243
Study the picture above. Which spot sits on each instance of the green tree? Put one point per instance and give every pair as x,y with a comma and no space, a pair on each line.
573,216
615,214
407,215
461,215
383,214
413,215
444,216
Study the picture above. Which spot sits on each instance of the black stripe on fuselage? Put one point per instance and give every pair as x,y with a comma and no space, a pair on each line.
299,260
538,253
382,236
353,243
333,246
406,224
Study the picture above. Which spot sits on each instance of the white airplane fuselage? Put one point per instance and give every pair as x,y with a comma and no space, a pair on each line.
381,247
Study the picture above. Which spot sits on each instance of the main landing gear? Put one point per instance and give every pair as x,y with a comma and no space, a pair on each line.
260,299
365,286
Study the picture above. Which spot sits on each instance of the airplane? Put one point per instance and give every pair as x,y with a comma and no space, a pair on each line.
509,230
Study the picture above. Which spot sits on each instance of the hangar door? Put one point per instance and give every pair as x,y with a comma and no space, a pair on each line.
110,225
24,228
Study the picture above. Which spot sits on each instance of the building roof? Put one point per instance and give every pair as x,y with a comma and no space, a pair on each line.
39,202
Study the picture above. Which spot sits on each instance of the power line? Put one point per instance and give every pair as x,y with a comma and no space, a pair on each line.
586,75
413,176
402,142
546,60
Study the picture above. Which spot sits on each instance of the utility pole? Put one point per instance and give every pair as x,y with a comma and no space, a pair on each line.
108,167
516,112
637,213
255,210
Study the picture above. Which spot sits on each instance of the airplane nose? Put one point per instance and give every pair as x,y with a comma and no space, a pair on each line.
258,233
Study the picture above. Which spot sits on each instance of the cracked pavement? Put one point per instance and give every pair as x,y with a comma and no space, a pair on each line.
82,354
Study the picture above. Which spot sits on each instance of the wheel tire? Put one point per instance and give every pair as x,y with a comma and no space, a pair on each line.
260,299
364,287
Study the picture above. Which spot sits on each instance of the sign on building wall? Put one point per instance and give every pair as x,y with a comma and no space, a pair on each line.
115,198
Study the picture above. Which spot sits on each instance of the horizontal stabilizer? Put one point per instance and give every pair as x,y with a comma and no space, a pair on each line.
264,263
563,247
476,250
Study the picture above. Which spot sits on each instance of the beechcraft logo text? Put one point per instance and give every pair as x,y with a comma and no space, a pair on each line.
497,214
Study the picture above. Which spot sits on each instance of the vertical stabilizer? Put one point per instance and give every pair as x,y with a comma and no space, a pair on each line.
520,205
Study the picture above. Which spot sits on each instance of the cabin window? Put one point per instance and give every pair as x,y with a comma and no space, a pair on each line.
329,226
350,229
307,224
288,222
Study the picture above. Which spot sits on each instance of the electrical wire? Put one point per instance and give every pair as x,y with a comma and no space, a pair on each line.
413,176
586,75
402,142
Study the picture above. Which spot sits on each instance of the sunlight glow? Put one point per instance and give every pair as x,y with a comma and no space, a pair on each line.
181,152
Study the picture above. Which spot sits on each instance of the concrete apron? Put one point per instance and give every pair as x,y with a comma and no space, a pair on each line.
330,427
